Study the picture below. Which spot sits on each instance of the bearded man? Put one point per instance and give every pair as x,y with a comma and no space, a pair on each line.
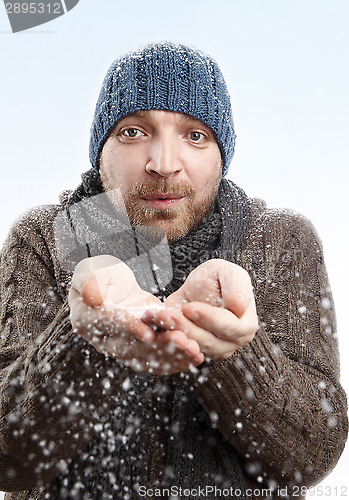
164,335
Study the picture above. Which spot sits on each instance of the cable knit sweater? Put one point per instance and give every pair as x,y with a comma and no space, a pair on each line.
277,400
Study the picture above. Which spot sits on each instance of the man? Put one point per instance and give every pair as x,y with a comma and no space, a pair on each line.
136,363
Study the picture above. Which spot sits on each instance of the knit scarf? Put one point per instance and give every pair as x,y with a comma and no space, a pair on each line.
191,452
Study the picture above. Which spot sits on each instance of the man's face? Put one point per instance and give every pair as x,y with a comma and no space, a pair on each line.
167,166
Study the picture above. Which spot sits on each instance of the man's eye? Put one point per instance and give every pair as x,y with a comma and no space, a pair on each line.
196,136
132,132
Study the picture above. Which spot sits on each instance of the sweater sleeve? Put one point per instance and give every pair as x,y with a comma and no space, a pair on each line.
278,400
54,386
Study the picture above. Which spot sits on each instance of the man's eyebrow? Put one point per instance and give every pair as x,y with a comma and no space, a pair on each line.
185,117
145,112
140,113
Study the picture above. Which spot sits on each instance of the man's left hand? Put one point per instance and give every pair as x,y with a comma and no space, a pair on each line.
219,330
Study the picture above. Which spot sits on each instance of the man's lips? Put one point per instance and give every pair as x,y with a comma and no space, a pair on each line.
162,200
162,196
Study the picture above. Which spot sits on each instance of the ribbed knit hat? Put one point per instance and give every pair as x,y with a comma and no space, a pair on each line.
165,76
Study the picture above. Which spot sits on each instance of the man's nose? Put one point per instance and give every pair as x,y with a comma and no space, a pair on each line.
164,157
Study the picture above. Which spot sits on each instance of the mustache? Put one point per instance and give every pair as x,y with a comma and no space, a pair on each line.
162,186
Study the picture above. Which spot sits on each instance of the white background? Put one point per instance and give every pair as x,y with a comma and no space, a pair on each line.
286,64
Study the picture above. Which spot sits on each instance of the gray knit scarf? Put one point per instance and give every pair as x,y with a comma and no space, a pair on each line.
193,452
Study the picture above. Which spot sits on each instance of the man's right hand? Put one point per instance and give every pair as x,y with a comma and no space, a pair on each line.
103,289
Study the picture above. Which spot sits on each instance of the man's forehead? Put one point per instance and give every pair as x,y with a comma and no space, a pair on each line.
149,112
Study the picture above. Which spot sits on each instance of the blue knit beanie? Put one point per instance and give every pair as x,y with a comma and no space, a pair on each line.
164,76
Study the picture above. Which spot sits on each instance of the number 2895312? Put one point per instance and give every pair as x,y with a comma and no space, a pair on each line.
33,8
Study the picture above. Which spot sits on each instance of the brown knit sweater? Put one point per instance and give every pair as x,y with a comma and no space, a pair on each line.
291,424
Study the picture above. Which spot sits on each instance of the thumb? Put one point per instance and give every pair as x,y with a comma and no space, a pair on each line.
90,279
236,288
236,302
91,293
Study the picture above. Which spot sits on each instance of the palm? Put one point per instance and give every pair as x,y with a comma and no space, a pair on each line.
115,286
202,285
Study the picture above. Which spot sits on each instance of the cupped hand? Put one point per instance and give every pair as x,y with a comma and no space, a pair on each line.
215,307
108,280
103,292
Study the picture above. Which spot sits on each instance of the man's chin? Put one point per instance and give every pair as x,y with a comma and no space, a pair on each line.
172,224
158,230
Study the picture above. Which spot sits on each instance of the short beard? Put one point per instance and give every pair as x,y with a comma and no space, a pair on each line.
154,223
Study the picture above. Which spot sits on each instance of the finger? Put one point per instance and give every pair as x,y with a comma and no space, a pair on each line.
165,319
234,301
85,271
209,345
222,323
217,320
135,327
236,287
189,336
91,293
193,338
186,346
116,323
